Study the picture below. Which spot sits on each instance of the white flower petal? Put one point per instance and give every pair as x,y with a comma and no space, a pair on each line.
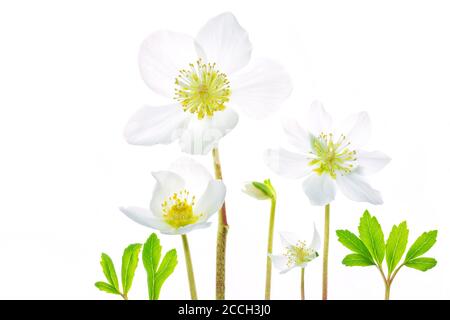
156,125
354,187
212,200
162,55
145,218
371,162
319,120
320,189
187,229
225,43
288,239
252,191
315,242
202,135
195,175
296,135
286,163
357,128
280,262
261,88
167,183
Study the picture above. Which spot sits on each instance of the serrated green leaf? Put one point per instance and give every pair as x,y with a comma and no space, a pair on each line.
109,271
357,260
151,254
372,236
106,287
396,245
130,259
422,264
165,269
352,242
421,245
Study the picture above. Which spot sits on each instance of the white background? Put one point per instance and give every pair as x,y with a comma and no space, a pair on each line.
69,81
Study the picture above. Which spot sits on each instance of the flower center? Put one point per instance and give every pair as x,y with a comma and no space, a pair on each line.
177,209
331,157
298,254
202,89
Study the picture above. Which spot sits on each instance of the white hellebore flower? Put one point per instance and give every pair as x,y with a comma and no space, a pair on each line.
203,78
184,198
329,158
297,253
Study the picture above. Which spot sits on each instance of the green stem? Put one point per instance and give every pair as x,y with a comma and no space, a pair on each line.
124,296
269,249
302,284
222,232
387,291
325,253
190,270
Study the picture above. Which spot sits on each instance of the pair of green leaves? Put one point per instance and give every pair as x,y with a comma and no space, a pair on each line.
130,259
370,247
157,273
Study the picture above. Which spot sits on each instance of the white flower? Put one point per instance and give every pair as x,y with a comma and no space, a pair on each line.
297,253
260,190
203,78
329,158
184,198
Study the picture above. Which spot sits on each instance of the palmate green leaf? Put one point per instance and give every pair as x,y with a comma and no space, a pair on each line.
396,245
372,236
130,259
352,242
422,264
151,254
421,245
166,268
357,260
106,287
109,271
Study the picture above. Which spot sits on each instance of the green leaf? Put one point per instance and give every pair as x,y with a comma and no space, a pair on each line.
352,242
422,264
109,271
151,254
166,268
421,245
130,259
103,286
357,260
396,245
372,236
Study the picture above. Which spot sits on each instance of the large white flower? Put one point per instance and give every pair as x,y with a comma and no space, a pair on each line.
184,198
329,158
203,78
296,253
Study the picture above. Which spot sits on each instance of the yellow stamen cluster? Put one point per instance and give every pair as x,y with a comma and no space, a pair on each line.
178,209
202,89
299,254
332,157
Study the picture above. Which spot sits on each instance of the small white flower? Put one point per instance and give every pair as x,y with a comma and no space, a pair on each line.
203,78
296,252
260,190
329,158
184,198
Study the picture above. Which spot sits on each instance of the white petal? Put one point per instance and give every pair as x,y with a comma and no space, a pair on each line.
261,88
187,229
145,218
202,135
357,128
315,242
212,200
354,187
162,55
195,175
289,239
319,120
167,183
156,125
371,162
252,191
320,189
286,163
225,43
296,135
280,262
